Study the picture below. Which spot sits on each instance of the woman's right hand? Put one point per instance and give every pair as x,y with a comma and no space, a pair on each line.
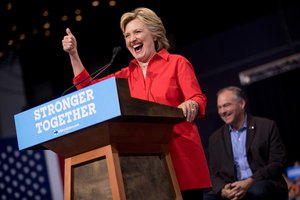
69,43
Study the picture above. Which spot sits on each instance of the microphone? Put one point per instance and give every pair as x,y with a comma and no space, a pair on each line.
116,51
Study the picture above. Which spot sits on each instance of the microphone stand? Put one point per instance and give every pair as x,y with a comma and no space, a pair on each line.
95,74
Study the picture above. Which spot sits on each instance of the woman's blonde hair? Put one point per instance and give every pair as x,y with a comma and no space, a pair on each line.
152,22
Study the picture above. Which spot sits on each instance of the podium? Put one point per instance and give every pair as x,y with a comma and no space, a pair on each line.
114,146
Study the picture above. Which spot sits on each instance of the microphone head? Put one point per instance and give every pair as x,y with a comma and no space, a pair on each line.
117,50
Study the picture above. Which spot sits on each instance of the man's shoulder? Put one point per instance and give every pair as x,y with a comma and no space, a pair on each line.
260,120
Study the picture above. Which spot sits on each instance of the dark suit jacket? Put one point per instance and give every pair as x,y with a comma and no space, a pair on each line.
265,153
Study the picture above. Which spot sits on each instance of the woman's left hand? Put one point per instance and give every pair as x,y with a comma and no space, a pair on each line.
190,109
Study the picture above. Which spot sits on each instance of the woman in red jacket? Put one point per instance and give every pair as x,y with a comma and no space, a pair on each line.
158,76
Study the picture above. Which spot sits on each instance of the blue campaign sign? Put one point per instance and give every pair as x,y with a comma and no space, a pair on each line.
80,109
293,172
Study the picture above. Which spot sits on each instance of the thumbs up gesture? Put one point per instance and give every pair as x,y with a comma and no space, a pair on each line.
69,42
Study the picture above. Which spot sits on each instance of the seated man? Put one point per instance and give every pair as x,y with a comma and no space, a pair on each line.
246,155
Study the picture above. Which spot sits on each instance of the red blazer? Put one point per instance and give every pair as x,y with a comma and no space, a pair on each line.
171,80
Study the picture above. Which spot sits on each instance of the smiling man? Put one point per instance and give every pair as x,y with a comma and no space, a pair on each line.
246,155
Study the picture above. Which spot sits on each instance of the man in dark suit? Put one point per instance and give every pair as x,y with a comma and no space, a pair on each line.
246,155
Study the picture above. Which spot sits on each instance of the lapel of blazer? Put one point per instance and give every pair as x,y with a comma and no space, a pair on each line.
250,133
